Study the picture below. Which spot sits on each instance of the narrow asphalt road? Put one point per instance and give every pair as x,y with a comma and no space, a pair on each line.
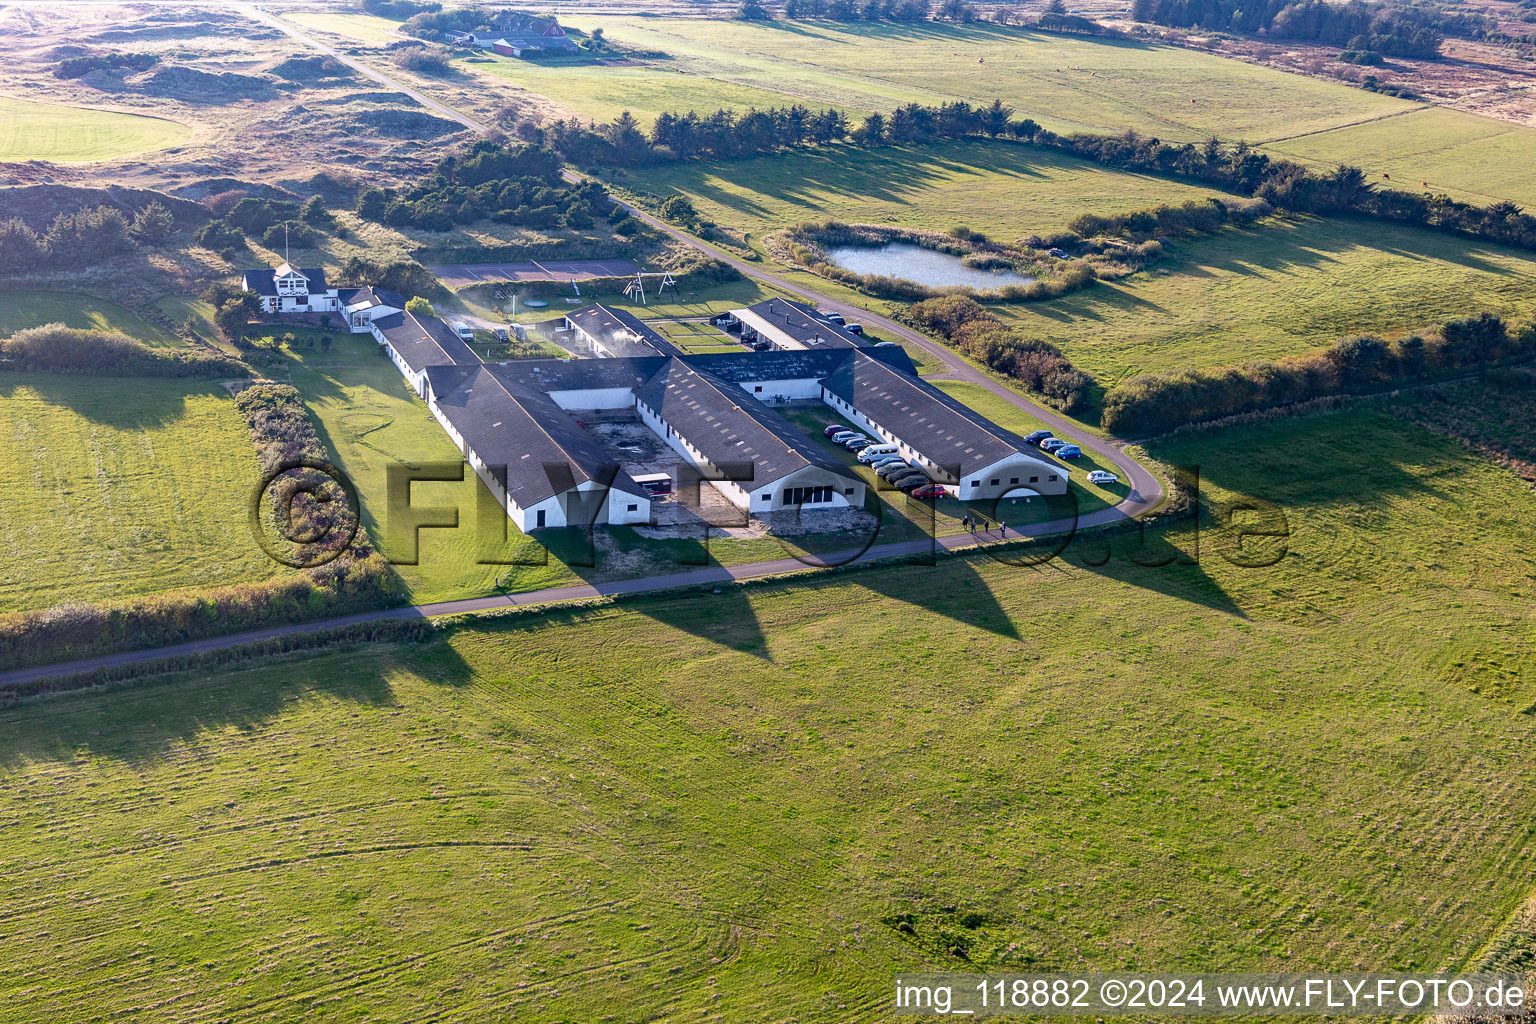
1145,491
554,595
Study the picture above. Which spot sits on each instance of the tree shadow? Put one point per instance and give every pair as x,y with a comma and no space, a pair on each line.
106,401
141,721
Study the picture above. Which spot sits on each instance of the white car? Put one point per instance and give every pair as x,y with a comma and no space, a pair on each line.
1102,476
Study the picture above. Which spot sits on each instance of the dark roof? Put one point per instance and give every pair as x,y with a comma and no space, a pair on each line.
791,364
579,374
372,295
529,444
264,280
730,427
424,341
521,21
938,427
621,331
805,325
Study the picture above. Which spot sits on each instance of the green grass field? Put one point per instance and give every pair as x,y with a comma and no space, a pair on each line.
1477,159
368,418
1064,82
364,28
122,486
30,130
1006,191
717,805
22,309
1279,289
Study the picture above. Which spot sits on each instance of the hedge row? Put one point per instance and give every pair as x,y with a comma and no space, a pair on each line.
980,334
1154,403
356,579
54,348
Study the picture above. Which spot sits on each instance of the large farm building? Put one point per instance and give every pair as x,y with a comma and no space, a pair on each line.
520,423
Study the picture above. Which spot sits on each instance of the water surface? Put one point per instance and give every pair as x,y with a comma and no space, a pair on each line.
921,266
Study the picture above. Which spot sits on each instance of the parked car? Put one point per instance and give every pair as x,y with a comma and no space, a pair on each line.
1052,444
929,491
1036,436
869,456
1102,476
912,482
879,462
854,328
502,335
836,318
845,435
1060,254
858,444
893,470
1069,451
832,429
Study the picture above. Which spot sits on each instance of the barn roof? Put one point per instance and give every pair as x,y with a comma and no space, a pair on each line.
424,341
731,428
937,426
532,447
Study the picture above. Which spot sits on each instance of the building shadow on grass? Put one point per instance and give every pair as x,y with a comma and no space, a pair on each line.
722,615
952,589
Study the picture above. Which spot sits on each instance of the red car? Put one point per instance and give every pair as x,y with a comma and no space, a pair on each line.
929,491
833,429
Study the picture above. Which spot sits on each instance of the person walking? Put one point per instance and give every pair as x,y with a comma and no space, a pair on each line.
1002,529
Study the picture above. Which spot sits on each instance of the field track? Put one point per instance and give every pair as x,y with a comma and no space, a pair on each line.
1134,504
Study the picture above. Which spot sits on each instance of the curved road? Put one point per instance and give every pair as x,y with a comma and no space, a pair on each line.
1145,491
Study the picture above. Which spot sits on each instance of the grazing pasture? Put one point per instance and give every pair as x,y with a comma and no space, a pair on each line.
1066,83
20,310
30,130
1008,191
119,486
364,28
1287,286
729,804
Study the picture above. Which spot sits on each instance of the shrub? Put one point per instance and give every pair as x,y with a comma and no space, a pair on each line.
1153,403
220,236
981,335
54,348
432,61
153,223
86,236
420,306
21,251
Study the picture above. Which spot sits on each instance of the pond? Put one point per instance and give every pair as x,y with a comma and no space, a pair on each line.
920,266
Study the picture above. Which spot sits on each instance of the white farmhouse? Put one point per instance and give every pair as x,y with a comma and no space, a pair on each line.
291,290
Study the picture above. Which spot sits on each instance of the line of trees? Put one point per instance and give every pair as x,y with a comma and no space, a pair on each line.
1397,31
724,134
977,332
1154,403
54,348
80,238
1291,186
1234,167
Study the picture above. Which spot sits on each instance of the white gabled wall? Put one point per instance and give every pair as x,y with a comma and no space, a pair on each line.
768,390
1018,472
